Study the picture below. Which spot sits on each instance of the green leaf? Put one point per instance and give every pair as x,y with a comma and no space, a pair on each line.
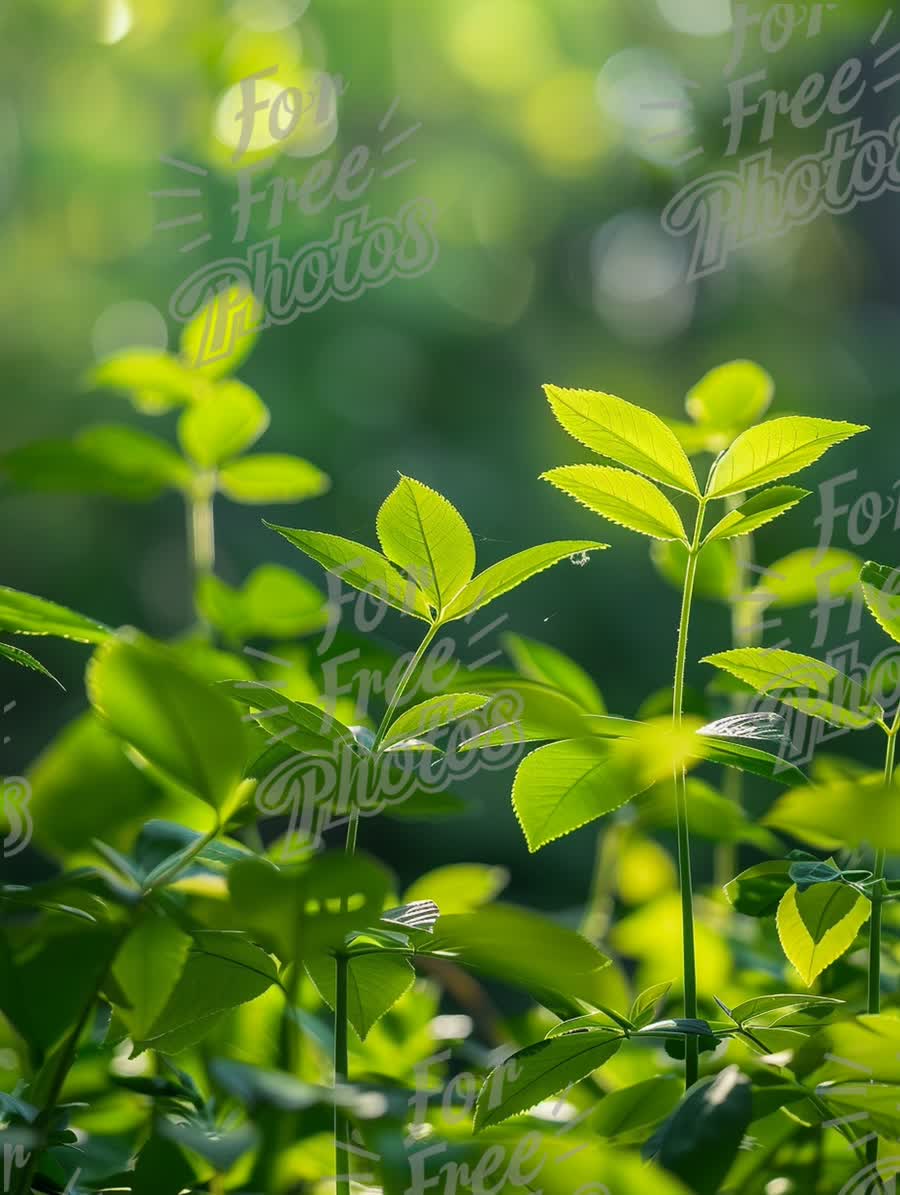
221,335
375,982
717,577
757,892
147,968
223,425
223,970
317,732
521,948
881,590
841,814
539,1071
647,1002
756,512
764,1011
425,535
265,477
818,926
731,396
154,381
184,727
274,602
700,1140
548,665
622,497
808,576
733,754
627,1115
459,887
25,660
880,1105
508,574
808,685
25,614
161,1169
420,720
359,566
124,462
308,908
625,433
775,449
565,785
713,816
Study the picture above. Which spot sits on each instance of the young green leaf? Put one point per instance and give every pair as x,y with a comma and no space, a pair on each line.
733,754
223,425
841,814
818,926
425,535
510,573
25,614
25,660
647,1002
808,685
565,785
147,968
756,512
429,715
622,497
274,602
627,1115
767,1010
539,1071
183,726
625,433
775,449
881,590
375,982
459,887
757,892
717,577
221,335
265,477
731,396
317,732
808,576
154,381
362,567
548,665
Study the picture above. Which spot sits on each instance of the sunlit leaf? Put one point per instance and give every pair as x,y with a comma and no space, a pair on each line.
627,499
809,685
773,450
459,887
420,720
818,926
25,660
808,576
223,425
731,396
548,665
271,477
625,433
25,614
717,576
852,813
510,573
757,892
153,380
221,335
756,512
147,968
375,982
881,590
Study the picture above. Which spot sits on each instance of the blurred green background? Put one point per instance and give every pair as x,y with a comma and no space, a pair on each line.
549,175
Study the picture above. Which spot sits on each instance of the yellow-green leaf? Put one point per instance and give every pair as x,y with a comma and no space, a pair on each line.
622,497
625,433
757,511
271,477
807,576
819,925
220,336
731,396
425,535
773,450
881,590
223,425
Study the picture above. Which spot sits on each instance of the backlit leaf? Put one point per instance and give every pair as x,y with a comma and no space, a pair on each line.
861,812
808,576
459,887
420,720
375,982
26,614
508,574
220,336
223,425
731,396
154,381
625,433
717,577
775,449
756,512
809,685
548,665
147,968
817,926
757,892
881,590
264,477
425,535
25,660
622,497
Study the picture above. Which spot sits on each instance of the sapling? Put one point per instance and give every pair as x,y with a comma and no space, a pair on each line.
641,441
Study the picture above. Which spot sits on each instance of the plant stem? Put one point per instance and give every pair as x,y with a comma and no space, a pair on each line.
873,1004
402,684
691,1064
341,1067
201,529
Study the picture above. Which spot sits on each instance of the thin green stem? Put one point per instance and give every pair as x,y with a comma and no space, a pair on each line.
341,1068
396,697
692,1065
183,860
201,529
873,1003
